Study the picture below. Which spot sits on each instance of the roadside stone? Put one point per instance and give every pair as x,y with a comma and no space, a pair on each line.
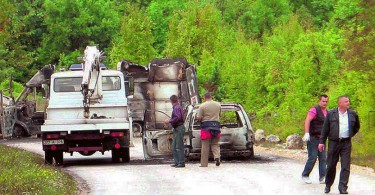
294,142
273,139
260,136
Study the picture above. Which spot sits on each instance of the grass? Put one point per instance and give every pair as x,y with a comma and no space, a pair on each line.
22,172
367,161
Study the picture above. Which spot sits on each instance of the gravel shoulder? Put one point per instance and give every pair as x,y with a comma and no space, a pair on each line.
301,157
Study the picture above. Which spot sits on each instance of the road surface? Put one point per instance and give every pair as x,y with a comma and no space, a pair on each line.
265,174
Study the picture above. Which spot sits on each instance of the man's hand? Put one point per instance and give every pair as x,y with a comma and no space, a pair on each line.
166,121
306,137
321,147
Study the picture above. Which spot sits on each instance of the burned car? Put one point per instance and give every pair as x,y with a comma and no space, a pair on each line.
237,135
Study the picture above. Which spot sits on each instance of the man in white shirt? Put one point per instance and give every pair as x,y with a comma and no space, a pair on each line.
340,125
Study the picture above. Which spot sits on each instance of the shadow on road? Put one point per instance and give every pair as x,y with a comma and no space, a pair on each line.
163,161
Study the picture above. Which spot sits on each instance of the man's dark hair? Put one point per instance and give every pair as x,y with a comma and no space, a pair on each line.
174,98
323,96
207,95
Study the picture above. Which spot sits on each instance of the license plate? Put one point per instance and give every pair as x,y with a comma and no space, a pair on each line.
53,142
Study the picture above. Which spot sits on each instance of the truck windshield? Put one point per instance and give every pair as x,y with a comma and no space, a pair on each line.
73,84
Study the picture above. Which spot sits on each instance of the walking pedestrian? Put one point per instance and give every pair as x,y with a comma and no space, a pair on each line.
340,126
209,115
313,126
177,122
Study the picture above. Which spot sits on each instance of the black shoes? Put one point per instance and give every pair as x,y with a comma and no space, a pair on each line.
173,165
343,192
180,165
217,161
327,190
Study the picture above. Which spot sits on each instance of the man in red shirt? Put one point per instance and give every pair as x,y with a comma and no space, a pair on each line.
313,126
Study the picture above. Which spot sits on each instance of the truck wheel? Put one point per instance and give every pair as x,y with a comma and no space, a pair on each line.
115,155
59,158
125,155
48,156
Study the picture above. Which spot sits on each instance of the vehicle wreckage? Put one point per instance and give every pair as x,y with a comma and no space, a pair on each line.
150,89
19,116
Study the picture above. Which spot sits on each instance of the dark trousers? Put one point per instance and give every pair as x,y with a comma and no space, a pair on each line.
343,150
313,154
178,145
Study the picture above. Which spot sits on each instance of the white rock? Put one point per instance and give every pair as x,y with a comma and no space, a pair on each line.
294,142
260,135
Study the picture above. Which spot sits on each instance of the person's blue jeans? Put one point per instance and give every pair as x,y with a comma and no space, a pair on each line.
178,145
313,154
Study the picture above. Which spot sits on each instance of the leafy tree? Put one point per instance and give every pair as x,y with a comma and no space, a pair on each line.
193,31
135,39
160,13
262,15
72,25
14,58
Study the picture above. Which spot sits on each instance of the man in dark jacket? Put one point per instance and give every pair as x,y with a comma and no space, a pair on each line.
177,122
340,125
313,127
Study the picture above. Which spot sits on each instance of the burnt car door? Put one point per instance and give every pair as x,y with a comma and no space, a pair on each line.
166,78
8,116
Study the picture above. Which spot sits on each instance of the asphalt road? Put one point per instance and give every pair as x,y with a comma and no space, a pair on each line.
265,174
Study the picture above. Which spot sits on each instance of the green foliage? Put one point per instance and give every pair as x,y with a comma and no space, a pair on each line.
72,25
160,13
193,31
24,173
135,40
15,90
273,56
262,15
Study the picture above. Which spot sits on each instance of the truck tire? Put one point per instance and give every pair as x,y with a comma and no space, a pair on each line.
59,158
48,157
125,155
115,155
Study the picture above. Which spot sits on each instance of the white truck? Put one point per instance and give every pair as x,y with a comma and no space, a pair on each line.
87,112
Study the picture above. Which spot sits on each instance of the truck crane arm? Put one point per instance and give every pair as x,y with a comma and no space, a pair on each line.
91,86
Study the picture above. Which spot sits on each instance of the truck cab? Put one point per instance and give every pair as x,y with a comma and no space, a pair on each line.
67,129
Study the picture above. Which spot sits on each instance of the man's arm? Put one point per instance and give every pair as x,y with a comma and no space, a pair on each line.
308,119
325,130
176,115
357,124
324,133
307,123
